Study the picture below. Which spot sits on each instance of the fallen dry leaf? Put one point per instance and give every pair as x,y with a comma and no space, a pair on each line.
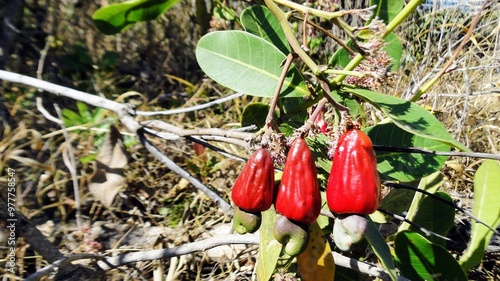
108,179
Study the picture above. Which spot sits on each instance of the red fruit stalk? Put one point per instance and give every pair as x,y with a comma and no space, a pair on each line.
298,196
354,183
253,190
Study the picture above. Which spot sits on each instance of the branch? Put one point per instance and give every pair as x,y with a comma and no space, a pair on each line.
189,109
225,206
125,112
198,246
438,153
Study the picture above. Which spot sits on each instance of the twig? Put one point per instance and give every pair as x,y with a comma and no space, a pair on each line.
54,266
189,109
225,206
290,37
274,101
455,54
70,162
438,153
425,231
184,249
124,111
162,125
214,148
328,33
314,115
397,185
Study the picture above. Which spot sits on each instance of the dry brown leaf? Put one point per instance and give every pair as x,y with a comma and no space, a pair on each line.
108,178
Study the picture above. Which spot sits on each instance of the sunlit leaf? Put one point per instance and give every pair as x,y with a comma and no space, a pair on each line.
408,116
247,63
380,248
254,114
403,166
316,262
435,216
260,21
419,259
487,208
116,17
269,249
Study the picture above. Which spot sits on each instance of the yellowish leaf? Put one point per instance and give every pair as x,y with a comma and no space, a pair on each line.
316,262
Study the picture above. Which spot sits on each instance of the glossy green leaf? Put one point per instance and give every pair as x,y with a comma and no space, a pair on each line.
255,114
394,49
116,17
260,21
487,208
419,259
319,145
247,63
431,184
380,248
405,166
435,216
409,116
387,10
269,248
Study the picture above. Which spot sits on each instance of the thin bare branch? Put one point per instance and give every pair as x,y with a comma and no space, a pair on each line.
225,206
189,109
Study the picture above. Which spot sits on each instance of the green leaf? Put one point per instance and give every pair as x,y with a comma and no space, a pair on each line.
114,18
431,184
487,208
259,21
247,63
387,9
435,216
380,248
419,259
269,249
71,118
255,114
319,147
398,200
405,166
409,116
394,49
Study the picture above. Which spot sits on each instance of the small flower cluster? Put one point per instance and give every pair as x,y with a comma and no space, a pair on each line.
377,71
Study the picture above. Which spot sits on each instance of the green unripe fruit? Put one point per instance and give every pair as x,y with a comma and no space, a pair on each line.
348,230
246,222
292,235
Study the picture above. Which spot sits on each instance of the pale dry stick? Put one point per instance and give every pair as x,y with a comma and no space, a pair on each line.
455,54
236,134
225,206
189,109
465,111
198,246
70,162
65,260
363,267
125,113
45,113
